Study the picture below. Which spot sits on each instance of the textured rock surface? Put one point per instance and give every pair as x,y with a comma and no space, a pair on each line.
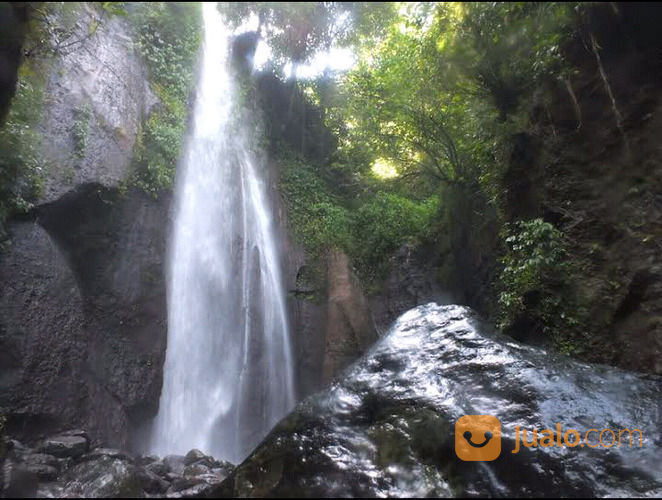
82,290
335,325
349,328
97,89
104,472
385,428
412,281
42,334
331,322
308,317
82,327
65,446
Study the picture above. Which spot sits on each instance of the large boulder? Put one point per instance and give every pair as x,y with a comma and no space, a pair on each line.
386,426
102,477
65,446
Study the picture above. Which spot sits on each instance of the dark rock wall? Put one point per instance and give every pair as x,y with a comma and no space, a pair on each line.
82,277
334,325
13,23
593,169
42,337
412,281
349,329
307,320
83,325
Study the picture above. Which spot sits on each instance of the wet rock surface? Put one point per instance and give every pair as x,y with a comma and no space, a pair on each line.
65,446
386,425
57,468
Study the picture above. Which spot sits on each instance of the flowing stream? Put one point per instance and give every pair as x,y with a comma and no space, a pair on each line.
228,371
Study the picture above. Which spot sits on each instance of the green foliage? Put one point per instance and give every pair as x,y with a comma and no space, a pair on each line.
384,223
81,129
114,8
368,229
534,265
21,167
296,31
169,36
317,216
439,91
506,48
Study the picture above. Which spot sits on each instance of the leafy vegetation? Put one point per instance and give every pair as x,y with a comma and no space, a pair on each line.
368,229
169,36
384,223
21,167
81,129
533,262
424,125
318,217
296,31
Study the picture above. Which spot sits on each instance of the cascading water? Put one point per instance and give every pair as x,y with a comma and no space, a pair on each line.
228,370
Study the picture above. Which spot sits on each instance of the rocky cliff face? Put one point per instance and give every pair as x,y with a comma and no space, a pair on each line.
82,301
411,281
330,326
13,23
589,163
350,330
336,324
97,98
333,320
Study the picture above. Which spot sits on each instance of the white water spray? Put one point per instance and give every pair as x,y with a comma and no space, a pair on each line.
228,369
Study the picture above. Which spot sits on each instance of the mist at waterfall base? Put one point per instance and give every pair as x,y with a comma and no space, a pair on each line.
228,371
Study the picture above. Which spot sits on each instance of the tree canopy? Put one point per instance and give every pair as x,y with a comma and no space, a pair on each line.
296,31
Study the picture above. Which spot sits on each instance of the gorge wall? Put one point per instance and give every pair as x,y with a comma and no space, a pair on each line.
82,302
334,318
588,162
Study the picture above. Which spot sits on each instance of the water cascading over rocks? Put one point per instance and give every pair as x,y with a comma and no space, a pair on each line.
228,370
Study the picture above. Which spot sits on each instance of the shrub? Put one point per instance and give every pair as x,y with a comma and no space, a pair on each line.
81,129
318,219
168,38
382,224
534,266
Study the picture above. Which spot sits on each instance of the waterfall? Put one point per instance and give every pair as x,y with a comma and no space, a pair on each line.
228,369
